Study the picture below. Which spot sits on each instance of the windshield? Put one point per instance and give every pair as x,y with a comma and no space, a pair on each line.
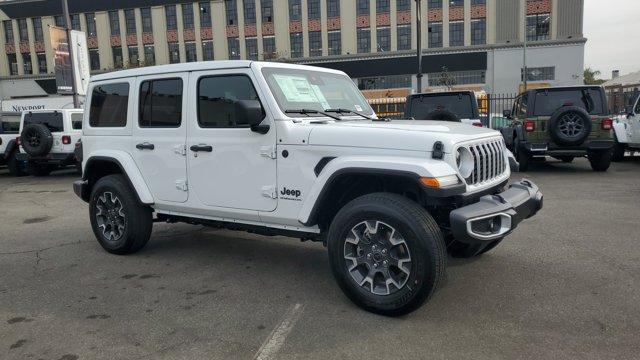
458,104
314,90
547,102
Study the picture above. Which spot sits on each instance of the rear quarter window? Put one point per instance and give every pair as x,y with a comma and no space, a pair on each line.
9,127
76,121
548,101
52,120
109,104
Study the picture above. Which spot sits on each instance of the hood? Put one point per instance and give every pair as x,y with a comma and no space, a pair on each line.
397,134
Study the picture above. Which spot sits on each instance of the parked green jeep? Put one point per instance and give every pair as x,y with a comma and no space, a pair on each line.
562,122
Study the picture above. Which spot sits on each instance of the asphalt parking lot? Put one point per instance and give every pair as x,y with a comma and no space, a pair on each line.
565,285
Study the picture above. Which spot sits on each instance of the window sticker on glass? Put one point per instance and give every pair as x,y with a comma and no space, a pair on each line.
358,107
298,89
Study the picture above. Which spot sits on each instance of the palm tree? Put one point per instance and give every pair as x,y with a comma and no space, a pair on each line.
590,77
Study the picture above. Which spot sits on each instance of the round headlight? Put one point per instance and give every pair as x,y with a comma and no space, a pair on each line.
465,162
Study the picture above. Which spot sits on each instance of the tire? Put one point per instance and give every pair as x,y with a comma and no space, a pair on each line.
36,139
600,161
14,166
618,150
569,126
39,170
461,250
417,238
442,115
78,167
566,159
113,195
522,157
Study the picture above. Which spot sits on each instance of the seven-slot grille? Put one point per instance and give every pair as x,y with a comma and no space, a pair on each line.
489,161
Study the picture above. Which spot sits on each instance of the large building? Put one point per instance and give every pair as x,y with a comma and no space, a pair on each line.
475,44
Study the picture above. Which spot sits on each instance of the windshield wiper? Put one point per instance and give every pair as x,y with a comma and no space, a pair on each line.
309,112
347,111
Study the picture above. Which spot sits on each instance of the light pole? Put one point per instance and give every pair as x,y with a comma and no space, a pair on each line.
419,46
524,52
67,17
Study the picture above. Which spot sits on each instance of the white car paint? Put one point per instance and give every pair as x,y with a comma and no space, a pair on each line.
68,116
627,127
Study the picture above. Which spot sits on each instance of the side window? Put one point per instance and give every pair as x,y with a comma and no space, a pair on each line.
516,107
217,96
109,105
76,121
160,103
523,105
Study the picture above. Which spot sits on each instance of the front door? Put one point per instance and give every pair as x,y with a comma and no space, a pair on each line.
230,166
634,121
159,135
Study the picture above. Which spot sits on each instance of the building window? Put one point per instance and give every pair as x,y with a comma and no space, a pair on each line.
456,33
434,4
384,82
364,40
268,47
478,32
172,18
8,32
456,77
295,10
160,103
23,33
249,7
538,27
26,63
404,37
147,24
478,2
207,50
37,29
42,63
149,55
435,35
91,24
403,5
333,8
540,73
114,23
130,21
117,57
453,3
231,10
313,9
382,6
190,51
187,16
315,43
174,53
267,10
384,39
94,59
134,58
75,22
205,14
335,43
13,63
362,7
296,44
251,45
233,44
60,21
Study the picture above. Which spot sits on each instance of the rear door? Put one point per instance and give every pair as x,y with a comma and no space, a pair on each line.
159,134
634,121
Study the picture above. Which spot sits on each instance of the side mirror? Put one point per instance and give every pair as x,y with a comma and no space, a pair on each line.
250,112
506,113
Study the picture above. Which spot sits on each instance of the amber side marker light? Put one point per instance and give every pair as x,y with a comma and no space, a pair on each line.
439,182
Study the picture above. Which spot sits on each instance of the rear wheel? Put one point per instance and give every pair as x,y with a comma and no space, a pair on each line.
14,167
600,160
120,223
386,253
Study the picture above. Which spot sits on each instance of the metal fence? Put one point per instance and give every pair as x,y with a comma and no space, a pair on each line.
620,100
491,109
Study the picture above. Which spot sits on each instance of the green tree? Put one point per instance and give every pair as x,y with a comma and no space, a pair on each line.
590,77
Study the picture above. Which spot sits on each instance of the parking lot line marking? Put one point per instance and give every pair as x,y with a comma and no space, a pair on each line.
276,339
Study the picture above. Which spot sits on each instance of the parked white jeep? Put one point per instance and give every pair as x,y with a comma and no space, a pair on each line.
48,139
279,149
626,130
8,145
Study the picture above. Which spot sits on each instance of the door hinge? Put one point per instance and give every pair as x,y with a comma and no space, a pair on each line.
180,149
182,185
269,191
268,152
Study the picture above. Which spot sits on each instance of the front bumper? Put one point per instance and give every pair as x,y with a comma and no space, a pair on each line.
495,216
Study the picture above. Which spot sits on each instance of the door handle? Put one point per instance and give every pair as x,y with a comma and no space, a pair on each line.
201,147
145,146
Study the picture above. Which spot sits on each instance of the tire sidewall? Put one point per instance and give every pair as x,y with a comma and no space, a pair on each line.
46,140
561,139
108,185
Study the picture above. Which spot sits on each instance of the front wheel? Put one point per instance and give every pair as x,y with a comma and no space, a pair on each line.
600,161
386,253
120,223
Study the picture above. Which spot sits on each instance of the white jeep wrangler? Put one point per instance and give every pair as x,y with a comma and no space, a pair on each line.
626,129
48,139
8,145
280,149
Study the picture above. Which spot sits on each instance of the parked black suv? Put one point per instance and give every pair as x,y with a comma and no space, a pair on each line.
458,106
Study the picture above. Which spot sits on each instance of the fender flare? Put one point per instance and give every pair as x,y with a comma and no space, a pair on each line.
12,146
128,168
412,168
620,131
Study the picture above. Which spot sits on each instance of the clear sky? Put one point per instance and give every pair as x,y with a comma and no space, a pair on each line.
612,28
